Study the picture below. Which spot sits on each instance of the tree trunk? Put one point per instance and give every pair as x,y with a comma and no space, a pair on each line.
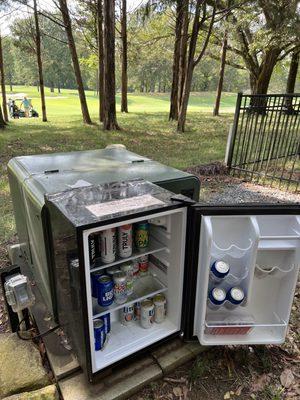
291,81
52,87
185,98
100,59
10,86
58,88
221,75
261,80
4,103
39,60
173,115
124,78
110,117
183,52
2,122
68,27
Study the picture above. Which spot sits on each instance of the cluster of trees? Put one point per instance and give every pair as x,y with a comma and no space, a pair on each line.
175,46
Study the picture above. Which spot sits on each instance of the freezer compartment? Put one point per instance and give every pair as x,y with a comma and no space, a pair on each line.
165,275
265,251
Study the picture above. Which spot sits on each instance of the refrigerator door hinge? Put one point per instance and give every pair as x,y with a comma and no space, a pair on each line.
180,198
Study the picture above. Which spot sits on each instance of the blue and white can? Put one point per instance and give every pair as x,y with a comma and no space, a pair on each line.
219,269
217,296
94,280
235,295
99,334
105,291
106,320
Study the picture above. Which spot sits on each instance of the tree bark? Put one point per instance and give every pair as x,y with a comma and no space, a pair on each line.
191,60
39,60
291,81
3,89
183,52
100,59
124,78
68,28
110,117
10,86
221,75
2,122
173,114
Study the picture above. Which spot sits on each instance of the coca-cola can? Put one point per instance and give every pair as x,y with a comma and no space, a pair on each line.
125,241
108,240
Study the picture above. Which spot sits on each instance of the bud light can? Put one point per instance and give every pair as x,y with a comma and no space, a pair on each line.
106,320
108,240
141,235
105,291
125,241
217,296
235,295
94,278
127,314
219,270
99,334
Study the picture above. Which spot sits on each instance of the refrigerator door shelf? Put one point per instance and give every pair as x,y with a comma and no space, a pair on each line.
144,287
262,272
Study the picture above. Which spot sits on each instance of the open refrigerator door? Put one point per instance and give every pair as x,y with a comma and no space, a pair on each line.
247,273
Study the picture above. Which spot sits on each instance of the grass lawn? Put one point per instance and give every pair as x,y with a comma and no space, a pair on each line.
145,130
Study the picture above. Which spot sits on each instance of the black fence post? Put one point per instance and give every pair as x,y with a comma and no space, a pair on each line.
234,129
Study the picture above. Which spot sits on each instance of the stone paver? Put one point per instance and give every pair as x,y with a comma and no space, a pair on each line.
47,393
21,368
120,385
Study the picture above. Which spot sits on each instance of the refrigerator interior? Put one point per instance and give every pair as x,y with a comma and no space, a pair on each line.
166,267
263,253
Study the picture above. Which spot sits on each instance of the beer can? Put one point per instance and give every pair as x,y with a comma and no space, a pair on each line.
217,296
106,320
160,308
94,280
235,295
143,265
141,235
136,269
105,291
93,241
127,314
147,313
120,288
219,269
128,269
137,311
112,270
125,241
99,334
108,239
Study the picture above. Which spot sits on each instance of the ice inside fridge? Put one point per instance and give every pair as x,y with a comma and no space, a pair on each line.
263,252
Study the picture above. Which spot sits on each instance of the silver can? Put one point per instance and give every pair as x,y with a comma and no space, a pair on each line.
128,269
147,313
160,308
112,270
125,241
108,242
120,287
127,314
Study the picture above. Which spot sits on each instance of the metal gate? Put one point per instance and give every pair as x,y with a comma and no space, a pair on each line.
264,142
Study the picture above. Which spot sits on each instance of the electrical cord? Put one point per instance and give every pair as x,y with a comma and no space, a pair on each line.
36,336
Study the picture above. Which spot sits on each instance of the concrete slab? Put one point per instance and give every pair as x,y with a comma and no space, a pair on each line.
195,347
47,393
121,384
21,367
170,356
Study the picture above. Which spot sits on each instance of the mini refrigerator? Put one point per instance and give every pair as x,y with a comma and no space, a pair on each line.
260,245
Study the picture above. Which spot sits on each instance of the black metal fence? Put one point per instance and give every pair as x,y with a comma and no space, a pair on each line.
264,142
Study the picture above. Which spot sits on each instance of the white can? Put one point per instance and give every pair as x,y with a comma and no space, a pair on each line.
125,241
147,313
127,314
160,308
108,241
